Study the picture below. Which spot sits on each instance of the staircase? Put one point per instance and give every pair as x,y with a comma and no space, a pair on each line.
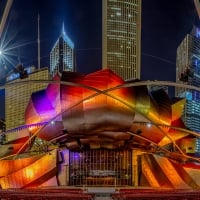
101,193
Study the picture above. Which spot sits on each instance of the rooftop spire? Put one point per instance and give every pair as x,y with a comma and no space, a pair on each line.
63,29
65,36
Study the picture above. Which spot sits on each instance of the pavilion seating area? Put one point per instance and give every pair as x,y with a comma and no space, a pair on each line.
156,194
45,194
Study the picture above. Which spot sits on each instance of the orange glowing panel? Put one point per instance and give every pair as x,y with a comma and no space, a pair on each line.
34,174
30,173
10,166
177,109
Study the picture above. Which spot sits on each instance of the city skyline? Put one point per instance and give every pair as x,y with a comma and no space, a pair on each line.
161,21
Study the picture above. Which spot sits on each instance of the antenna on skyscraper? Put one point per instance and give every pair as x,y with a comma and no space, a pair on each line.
38,41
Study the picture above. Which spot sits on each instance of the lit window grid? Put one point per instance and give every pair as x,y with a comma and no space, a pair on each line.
122,37
191,116
67,57
187,54
17,98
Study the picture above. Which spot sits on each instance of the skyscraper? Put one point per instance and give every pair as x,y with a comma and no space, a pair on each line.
188,72
121,37
62,55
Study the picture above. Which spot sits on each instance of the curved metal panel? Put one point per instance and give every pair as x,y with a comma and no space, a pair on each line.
34,174
97,103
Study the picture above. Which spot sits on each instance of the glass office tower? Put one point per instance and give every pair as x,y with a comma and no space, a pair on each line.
188,72
62,55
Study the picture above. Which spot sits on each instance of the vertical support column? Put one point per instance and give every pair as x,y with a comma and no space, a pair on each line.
135,165
134,168
63,173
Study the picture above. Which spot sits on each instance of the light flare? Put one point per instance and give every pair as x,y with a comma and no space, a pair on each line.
10,46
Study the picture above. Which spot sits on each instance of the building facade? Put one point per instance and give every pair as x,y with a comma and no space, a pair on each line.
62,55
121,37
17,95
188,72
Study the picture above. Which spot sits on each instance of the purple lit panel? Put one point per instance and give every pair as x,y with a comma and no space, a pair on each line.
39,108
41,103
53,93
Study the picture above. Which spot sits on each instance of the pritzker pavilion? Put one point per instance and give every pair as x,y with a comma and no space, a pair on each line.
97,130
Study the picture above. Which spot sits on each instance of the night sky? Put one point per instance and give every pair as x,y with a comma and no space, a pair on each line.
164,25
